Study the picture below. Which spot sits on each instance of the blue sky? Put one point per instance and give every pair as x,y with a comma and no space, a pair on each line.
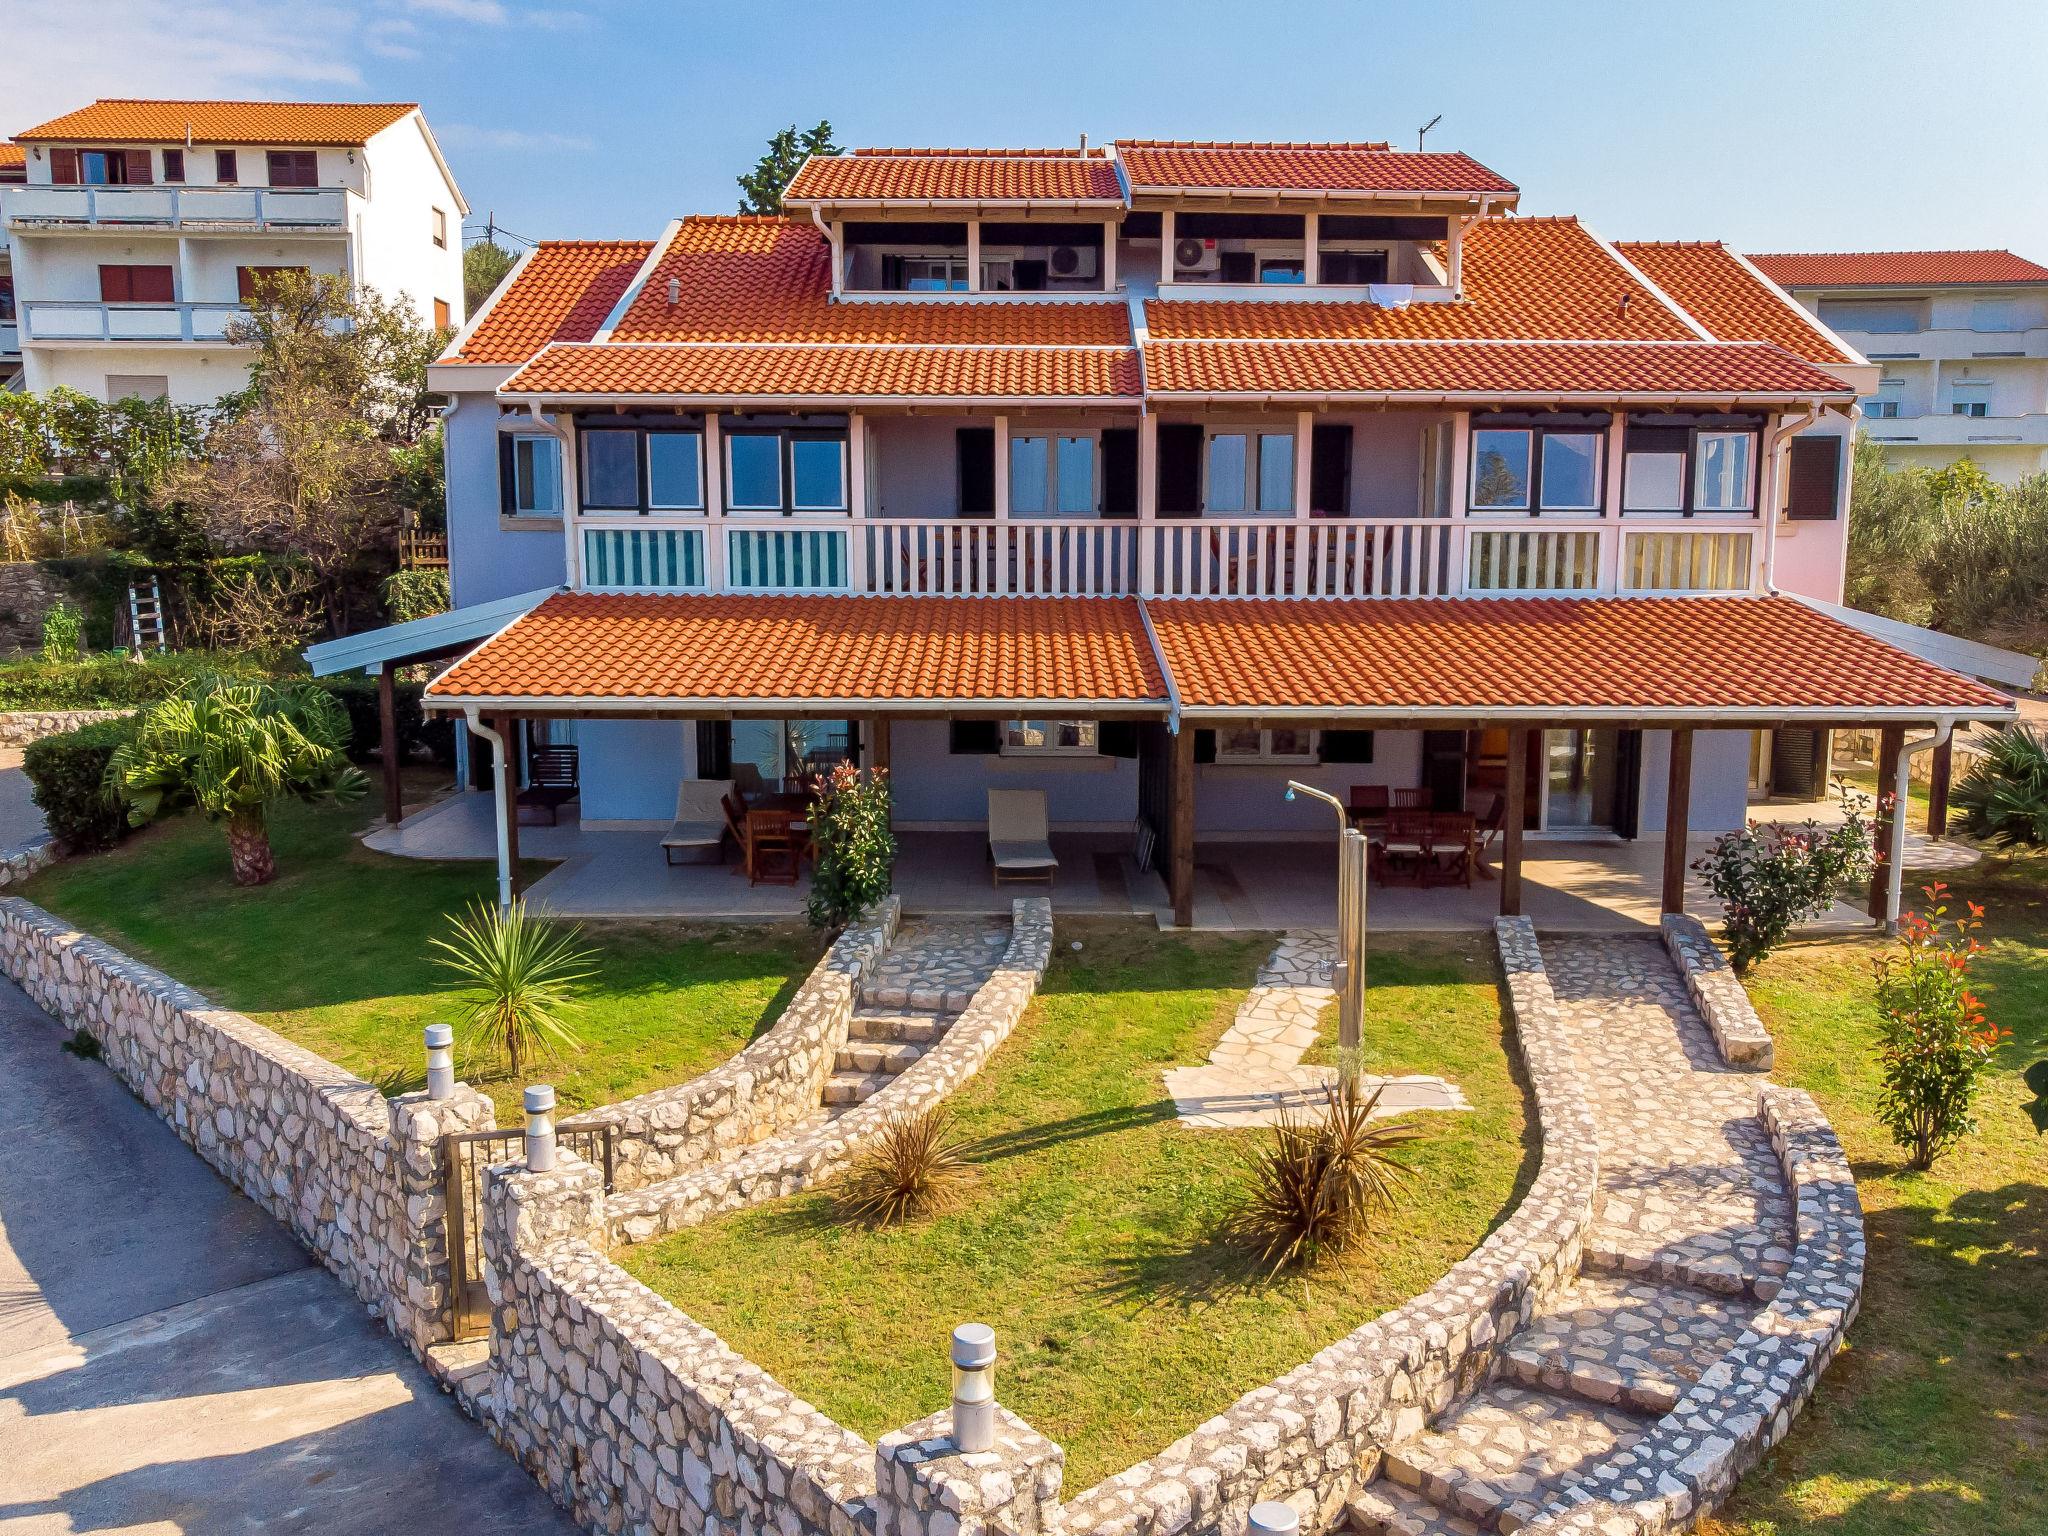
1827,125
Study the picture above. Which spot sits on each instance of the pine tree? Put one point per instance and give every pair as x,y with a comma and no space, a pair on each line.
761,188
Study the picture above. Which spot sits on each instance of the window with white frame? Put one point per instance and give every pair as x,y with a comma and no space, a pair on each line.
1275,744
1049,738
1245,471
785,470
642,469
1682,466
1724,478
675,471
1884,405
1536,468
1054,474
1969,397
530,471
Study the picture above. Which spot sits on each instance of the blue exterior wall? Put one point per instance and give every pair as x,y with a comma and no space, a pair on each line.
630,768
1720,781
486,560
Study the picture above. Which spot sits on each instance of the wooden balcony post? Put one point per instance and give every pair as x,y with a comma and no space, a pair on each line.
857,506
1891,742
1301,534
387,725
1180,880
1511,825
1677,820
714,501
1937,788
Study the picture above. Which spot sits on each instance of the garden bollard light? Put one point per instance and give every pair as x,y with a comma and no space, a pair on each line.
540,1128
1273,1518
974,1387
440,1061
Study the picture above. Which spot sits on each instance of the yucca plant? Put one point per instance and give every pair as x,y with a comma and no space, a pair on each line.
1317,1183
2004,796
912,1169
521,972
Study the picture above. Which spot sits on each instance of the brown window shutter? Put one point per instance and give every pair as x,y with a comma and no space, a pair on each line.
64,167
1815,482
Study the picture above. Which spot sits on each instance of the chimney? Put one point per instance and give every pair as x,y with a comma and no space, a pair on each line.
675,292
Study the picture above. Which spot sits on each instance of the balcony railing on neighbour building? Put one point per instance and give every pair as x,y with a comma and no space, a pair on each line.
275,208
64,320
10,339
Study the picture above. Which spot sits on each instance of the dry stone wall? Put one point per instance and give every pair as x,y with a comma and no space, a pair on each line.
771,1085
1729,1014
19,727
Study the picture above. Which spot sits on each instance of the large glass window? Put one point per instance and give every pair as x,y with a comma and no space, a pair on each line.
611,469
1076,474
1227,453
753,467
1571,471
817,473
536,489
1030,475
1052,475
788,754
1500,469
675,471
1721,480
1049,738
1653,480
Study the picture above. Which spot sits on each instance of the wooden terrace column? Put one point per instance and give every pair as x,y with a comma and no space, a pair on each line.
1677,820
387,725
1937,788
878,755
507,727
1511,826
1180,878
1891,742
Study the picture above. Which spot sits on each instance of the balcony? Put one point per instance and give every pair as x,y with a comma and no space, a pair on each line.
241,209
58,320
10,339
1948,431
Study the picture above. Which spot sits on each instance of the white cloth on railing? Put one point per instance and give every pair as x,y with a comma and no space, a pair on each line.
1390,295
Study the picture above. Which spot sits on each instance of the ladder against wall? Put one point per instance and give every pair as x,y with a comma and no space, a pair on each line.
145,615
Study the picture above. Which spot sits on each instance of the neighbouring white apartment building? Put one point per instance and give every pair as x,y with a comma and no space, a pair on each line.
1961,342
136,229
13,169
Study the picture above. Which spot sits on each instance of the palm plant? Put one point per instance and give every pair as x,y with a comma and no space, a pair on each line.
913,1168
522,971
1321,1179
231,748
2004,796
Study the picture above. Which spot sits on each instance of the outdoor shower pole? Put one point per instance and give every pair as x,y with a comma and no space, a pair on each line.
1348,972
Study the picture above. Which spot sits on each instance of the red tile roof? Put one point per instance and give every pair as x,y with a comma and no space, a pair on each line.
1639,655
1545,370
958,176
1163,165
124,120
1913,269
725,370
823,649
1536,279
562,293
741,278
12,154
1713,285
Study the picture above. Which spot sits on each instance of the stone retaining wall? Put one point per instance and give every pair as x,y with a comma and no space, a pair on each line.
776,1082
1312,1436
19,727
1730,1015
355,1177
792,1163
1747,1400
24,860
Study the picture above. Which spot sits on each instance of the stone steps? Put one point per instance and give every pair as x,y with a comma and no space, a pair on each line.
925,996
913,1028
890,1056
1681,1263
1388,1509
1507,1450
1631,1343
843,1090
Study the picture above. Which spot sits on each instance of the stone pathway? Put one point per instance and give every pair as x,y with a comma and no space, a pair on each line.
1692,1231
1254,1074
910,998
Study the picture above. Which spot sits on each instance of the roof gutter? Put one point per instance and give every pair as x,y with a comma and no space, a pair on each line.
719,707
1165,671
1395,717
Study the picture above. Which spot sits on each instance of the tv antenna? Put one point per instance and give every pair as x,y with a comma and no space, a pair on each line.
1424,129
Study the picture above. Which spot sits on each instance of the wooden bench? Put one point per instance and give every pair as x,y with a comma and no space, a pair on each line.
551,781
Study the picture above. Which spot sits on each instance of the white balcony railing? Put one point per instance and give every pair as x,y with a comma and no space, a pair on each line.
644,559
1329,557
1688,561
1534,559
64,320
180,207
1071,558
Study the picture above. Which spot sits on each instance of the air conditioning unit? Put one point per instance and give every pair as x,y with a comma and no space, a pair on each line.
1073,261
1196,256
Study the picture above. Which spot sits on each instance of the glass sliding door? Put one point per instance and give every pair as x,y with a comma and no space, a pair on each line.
1580,779
789,753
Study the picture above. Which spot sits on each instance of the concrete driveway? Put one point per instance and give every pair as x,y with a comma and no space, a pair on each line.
171,1361
20,820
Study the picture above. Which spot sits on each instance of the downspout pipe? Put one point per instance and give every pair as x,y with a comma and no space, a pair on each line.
502,760
1780,447
1895,867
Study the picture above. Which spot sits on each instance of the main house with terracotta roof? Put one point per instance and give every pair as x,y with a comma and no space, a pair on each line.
136,230
1149,476
1960,339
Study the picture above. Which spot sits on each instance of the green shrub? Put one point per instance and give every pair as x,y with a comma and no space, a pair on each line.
113,680
66,774
2004,796
856,854
62,627
418,594
1315,1188
1771,876
357,695
1936,1045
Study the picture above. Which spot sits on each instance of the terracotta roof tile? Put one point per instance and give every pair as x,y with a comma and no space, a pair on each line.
741,278
1713,286
958,175
12,155
1915,269
1158,165
1551,369
123,120
563,293
717,369
1649,654
831,649
1536,279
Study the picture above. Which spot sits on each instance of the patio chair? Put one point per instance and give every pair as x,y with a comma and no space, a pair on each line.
1019,844
773,849
700,824
1409,799
551,781
1405,848
1486,829
1369,805
1454,849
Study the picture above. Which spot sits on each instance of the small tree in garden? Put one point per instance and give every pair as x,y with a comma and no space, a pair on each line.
231,749
521,972
1771,876
856,852
1935,1042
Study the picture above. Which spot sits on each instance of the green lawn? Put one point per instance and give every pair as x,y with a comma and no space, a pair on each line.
1933,1421
1087,1238
334,954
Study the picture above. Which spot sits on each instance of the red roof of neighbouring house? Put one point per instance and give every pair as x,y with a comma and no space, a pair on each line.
127,120
1669,656
13,162
839,650
1165,165
563,292
958,176
1713,285
1887,269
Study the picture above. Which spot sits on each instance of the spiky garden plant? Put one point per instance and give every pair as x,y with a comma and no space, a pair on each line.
1318,1182
521,972
2004,796
912,1169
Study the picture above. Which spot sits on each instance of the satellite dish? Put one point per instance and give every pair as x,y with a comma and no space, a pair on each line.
1187,253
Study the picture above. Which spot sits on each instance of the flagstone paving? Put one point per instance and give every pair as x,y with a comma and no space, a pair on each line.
910,999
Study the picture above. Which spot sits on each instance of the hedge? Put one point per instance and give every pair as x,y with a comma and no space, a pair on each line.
66,773
416,733
114,680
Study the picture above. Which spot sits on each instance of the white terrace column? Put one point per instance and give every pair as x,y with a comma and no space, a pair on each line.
1311,238
714,502
974,255
1165,246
